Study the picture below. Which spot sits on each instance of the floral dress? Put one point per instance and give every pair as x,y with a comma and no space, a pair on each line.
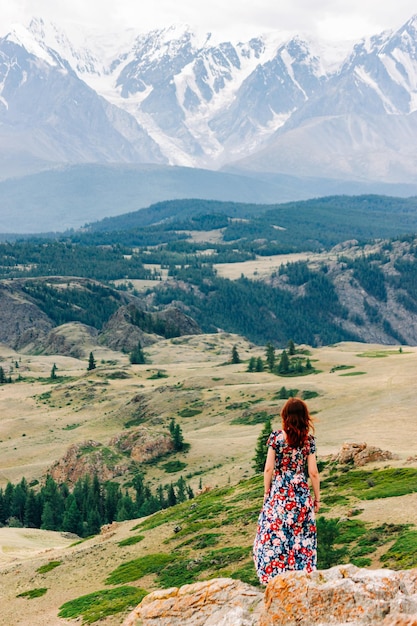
286,537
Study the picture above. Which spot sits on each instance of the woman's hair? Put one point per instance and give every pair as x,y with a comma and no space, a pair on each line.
296,421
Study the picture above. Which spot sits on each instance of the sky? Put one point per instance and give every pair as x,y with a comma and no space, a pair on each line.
324,19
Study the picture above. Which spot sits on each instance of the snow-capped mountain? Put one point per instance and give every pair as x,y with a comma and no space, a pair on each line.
271,104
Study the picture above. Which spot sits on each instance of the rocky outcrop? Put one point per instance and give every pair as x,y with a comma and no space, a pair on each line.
218,602
119,333
22,323
359,454
335,597
88,458
143,445
73,339
131,325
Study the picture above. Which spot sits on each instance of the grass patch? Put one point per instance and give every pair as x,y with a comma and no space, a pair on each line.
185,571
130,541
403,554
100,604
252,418
189,412
48,567
72,426
200,542
174,466
133,570
33,593
118,375
370,485
158,374
361,562
336,368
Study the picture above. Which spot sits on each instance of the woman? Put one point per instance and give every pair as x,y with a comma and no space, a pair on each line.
286,537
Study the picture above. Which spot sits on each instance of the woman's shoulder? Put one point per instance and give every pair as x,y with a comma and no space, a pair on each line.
311,442
276,437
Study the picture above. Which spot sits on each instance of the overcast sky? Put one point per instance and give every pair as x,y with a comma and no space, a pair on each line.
326,19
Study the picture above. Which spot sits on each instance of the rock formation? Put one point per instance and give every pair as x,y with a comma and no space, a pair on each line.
131,324
217,602
87,459
360,454
341,595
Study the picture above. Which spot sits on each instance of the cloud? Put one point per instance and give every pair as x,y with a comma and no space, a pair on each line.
324,18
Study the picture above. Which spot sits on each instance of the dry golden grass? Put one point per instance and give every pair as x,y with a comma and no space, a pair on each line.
376,406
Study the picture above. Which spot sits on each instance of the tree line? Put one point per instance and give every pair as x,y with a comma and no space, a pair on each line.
89,505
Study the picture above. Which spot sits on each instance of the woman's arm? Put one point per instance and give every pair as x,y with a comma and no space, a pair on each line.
313,473
269,470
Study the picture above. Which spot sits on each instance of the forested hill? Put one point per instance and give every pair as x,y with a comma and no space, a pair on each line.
304,225
360,286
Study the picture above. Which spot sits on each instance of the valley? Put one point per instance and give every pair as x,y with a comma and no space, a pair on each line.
364,394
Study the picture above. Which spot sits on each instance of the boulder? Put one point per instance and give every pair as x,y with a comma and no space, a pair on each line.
360,454
342,595
217,602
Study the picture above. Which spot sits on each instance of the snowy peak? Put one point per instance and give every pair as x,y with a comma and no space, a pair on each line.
188,98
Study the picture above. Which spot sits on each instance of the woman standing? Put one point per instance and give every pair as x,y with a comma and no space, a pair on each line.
286,537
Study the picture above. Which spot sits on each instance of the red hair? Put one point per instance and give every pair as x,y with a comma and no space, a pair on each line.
296,421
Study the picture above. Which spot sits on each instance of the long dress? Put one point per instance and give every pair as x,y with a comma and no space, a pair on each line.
286,537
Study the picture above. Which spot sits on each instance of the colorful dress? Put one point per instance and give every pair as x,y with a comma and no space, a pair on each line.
286,537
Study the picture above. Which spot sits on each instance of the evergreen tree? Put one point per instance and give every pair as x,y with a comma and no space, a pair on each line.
32,516
261,449
235,355
72,521
125,508
2,376
53,372
259,364
111,500
181,490
327,533
308,365
51,495
19,500
93,524
284,363
291,347
270,356
172,498
137,356
48,517
91,362
177,436
252,364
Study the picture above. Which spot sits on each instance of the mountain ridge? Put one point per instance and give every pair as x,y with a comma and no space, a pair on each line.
207,104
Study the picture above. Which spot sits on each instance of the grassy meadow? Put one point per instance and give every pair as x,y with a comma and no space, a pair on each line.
358,393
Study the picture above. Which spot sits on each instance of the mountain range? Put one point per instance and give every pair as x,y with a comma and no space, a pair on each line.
289,114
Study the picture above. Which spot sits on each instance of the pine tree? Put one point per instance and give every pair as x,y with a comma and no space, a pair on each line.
270,356
252,364
2,376
72,521
291,347
261,450
284,363
48,517
172,498
53,372
137,356
259,364
235,355
91,362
